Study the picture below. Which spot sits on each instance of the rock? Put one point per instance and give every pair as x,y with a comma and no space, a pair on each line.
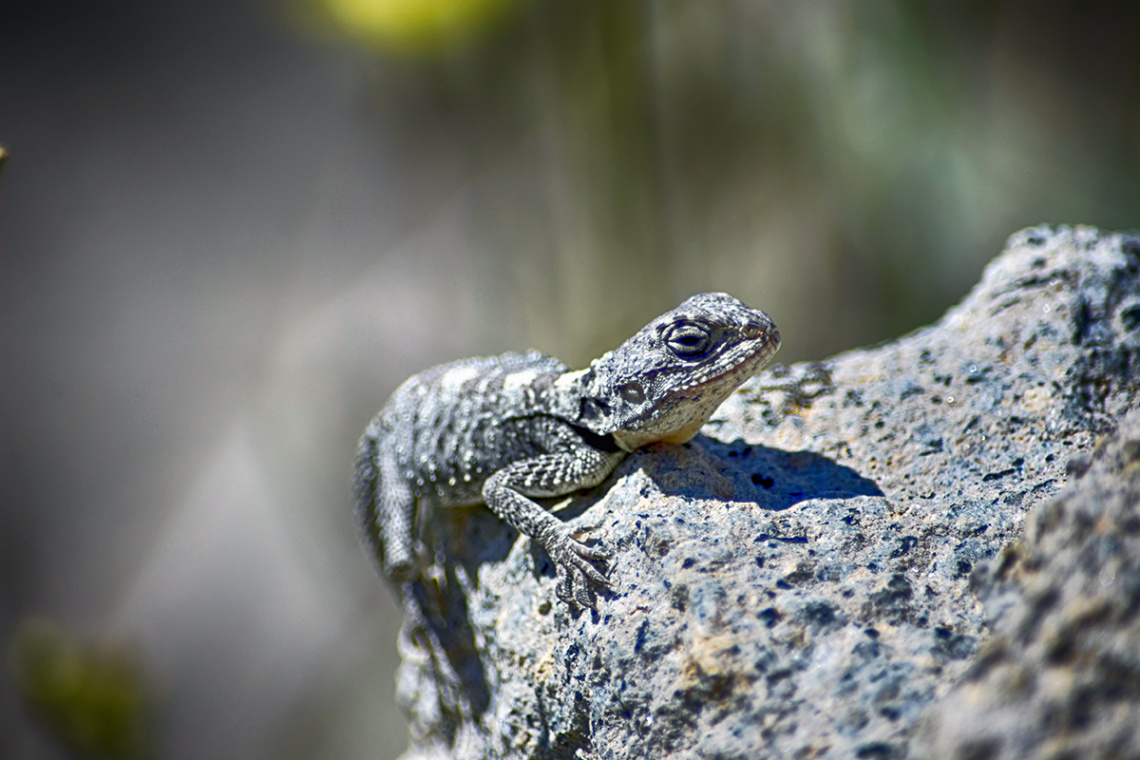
802,580
1060,674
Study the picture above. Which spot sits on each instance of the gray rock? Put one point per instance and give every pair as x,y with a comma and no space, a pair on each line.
802,580
1060,675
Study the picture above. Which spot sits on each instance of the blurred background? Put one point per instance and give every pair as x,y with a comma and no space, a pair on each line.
229,229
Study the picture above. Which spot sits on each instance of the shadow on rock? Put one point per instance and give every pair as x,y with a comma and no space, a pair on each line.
773,479
437,620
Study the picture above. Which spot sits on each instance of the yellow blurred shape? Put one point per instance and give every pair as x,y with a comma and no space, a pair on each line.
416,27
91,698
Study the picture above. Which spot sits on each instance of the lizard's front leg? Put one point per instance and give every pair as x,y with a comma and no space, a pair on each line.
385,506
548,475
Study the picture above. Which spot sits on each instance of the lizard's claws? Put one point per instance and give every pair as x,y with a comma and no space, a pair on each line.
585,598
572,561
591,552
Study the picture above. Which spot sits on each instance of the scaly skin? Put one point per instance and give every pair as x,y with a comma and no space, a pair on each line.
508,429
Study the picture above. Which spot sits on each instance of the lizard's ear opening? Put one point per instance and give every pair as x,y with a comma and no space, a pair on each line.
632,392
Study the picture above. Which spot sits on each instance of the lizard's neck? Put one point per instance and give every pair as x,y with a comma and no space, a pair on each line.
566,395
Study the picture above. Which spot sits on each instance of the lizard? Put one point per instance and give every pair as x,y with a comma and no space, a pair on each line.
504,430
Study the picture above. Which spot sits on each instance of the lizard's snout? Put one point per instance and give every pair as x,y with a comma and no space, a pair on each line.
764,329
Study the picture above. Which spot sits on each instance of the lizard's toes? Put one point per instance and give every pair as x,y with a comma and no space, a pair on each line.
584,597
590,572
565,587
593,552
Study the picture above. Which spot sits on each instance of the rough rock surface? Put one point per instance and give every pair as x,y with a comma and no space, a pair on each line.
798,581
1060,675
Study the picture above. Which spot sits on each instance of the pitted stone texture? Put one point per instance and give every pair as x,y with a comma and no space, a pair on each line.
1060,676
796,583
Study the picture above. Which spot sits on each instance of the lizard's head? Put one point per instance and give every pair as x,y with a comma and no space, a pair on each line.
665,382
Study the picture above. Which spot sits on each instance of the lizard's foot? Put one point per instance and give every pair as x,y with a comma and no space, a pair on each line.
573,562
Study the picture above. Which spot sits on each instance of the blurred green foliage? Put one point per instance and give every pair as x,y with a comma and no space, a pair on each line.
850,167
91,698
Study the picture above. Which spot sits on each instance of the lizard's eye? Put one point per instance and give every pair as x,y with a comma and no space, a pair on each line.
633,392
689,341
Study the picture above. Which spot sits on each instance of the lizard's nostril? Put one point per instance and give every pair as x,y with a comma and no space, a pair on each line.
759,329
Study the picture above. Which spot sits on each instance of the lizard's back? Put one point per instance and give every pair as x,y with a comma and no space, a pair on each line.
451,427
439,437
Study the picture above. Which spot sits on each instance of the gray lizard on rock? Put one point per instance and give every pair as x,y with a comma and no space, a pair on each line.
507,429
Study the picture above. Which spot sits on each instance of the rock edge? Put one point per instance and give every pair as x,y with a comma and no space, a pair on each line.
812,576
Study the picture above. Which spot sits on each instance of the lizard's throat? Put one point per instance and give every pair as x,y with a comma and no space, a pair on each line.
679,419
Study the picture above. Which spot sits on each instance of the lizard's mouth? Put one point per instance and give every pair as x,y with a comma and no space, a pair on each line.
678,417
742,364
